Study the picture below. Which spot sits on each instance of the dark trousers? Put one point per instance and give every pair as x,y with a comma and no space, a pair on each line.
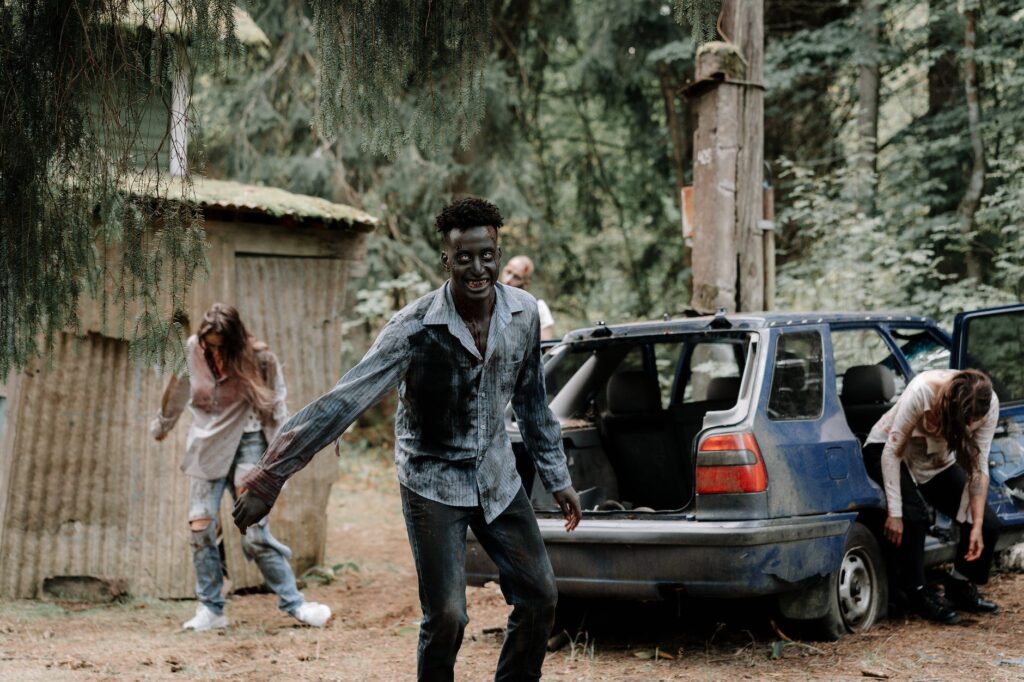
437,534
943,492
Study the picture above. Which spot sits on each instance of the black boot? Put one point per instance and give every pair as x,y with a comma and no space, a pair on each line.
925,604
964,596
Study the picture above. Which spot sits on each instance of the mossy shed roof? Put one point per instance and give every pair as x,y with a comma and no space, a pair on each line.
227,200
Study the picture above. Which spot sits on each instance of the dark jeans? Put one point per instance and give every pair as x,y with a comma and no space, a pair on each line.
943,492
437,534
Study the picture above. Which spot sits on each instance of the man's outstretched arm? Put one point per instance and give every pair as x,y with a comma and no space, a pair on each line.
321,422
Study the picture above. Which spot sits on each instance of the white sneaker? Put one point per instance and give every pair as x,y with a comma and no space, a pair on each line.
313,614
205,619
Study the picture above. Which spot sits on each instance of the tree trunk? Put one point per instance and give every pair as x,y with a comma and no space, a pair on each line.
945,92
943,78
743,24
679,150
867,107
976,184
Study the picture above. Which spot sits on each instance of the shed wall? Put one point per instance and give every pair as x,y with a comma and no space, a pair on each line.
296,305
89,492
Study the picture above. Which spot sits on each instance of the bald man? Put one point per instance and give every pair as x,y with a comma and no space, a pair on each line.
517,273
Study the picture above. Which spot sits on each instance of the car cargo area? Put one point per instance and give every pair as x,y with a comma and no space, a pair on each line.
631,411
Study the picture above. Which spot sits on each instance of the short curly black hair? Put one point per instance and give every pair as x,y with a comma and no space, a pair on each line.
468,212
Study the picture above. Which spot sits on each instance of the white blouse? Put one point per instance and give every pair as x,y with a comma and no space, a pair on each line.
924,454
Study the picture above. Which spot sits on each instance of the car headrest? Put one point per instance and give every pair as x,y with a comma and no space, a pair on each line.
724,388
867,385
789,373
631,392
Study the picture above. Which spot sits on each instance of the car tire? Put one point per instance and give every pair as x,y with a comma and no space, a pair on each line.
859,588
857,592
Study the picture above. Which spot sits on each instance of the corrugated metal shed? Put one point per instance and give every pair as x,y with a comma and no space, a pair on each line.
85,491
89,492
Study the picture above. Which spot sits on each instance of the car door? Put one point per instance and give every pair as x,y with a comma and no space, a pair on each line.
992,340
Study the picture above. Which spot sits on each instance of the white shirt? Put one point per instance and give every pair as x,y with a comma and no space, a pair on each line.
925,455
546,320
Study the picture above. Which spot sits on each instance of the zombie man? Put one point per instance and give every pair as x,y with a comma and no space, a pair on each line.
458,356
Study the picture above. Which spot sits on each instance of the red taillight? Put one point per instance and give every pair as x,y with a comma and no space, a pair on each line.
730,463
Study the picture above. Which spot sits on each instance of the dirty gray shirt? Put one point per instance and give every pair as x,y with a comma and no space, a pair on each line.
450,440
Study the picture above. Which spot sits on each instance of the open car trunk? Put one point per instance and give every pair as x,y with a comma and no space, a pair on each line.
631,411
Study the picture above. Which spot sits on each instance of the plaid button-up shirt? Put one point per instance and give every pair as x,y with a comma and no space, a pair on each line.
450,440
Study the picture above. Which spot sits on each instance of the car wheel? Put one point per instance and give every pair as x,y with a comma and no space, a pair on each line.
858,589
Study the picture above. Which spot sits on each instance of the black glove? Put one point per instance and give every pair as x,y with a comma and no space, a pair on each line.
248,511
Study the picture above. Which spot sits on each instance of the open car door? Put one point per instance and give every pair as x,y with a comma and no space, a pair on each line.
992,340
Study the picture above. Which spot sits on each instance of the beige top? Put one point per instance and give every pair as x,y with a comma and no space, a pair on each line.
218,424
924,454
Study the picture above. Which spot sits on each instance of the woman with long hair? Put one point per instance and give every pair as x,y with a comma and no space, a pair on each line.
236,393
931,448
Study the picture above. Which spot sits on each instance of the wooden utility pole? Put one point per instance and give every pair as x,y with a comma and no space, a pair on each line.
728,247
867,104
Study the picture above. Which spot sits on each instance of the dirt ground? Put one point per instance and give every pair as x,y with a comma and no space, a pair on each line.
373,634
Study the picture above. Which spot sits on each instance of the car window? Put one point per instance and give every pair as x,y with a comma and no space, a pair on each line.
561,370
797,377
995,345
709,360
666,360
921,349
632,361
852,347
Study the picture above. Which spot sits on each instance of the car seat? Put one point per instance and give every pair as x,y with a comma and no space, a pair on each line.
641,445
866,395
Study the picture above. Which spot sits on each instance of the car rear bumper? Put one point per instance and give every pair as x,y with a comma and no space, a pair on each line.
650,559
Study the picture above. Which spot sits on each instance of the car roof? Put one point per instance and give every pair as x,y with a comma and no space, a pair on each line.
737,321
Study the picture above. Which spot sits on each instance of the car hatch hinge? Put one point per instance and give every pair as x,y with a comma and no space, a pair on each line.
720,321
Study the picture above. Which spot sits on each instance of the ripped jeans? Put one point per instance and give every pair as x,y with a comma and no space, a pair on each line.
258,544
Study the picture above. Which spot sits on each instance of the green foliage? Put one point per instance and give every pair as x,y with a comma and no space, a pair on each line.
376,305
856,262
911,254
573,147
407,71
373,53
80,79
701,15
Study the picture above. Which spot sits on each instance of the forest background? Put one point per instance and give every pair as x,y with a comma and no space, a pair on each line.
585,138
893,139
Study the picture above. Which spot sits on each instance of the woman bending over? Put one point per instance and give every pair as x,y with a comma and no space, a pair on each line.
931,448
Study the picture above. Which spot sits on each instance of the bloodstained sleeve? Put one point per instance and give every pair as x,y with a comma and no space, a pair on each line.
909,408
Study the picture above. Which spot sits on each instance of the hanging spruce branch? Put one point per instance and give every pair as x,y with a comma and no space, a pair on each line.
412,70
701,15
87,208
403,70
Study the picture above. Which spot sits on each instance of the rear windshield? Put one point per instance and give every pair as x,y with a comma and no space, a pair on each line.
666,371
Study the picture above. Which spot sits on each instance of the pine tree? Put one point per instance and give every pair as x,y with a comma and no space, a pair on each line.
70,131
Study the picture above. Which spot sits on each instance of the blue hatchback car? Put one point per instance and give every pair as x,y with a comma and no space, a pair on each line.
721,456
